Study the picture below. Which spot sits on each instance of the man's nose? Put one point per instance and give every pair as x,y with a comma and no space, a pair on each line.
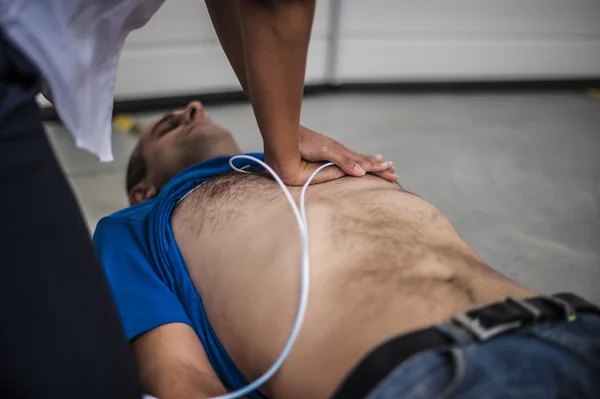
193,111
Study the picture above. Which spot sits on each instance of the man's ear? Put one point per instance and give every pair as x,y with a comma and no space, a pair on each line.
142,192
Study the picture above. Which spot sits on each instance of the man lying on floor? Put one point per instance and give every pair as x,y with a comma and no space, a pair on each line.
205,272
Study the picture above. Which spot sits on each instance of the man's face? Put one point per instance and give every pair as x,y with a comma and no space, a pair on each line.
181,139
178,140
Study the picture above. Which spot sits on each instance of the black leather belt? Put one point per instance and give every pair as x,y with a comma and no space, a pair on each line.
482,322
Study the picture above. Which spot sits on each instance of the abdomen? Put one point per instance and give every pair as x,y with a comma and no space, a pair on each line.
384,262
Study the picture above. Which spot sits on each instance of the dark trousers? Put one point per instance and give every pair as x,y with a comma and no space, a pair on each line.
60,335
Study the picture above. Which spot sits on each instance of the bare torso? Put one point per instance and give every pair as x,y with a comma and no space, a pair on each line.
384,262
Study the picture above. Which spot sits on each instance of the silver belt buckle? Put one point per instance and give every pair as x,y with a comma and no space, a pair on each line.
473,325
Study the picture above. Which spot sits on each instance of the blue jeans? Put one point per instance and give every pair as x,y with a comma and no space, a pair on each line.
550,360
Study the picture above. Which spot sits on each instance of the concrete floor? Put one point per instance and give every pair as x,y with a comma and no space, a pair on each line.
518,174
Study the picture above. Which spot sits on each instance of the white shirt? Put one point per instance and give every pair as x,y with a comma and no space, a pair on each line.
76,46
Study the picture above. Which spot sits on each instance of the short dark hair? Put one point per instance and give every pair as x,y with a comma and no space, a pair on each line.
136,168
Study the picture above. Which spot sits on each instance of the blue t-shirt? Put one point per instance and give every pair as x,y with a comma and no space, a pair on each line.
147,273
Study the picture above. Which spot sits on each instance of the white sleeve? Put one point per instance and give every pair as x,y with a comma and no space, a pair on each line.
76,45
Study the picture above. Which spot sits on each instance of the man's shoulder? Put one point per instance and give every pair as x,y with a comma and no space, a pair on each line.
133,220
127,221
133,213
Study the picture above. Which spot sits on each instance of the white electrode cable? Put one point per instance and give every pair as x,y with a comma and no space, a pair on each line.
300,215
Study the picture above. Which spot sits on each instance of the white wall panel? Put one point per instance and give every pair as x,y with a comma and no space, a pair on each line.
143,73
186,22
437,40
430,61
177,22
178,53
385,18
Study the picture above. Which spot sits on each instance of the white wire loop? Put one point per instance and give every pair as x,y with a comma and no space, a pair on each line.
300,215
